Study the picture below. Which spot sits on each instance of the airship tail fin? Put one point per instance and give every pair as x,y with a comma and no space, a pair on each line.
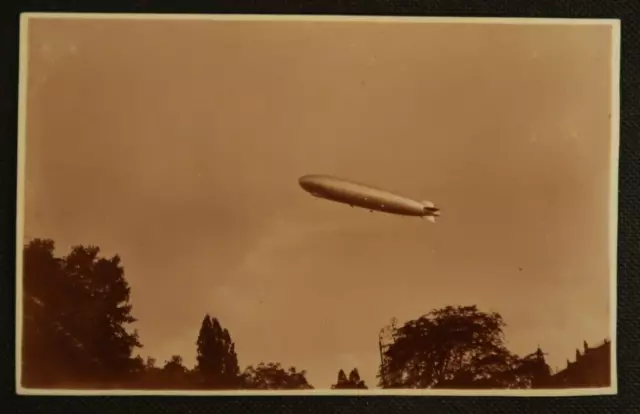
427,203
431,219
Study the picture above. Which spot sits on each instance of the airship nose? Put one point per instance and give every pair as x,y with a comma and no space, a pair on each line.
304,182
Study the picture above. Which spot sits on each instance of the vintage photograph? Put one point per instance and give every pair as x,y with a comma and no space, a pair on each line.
305,205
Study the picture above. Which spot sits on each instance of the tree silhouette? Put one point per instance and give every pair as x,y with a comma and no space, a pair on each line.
76,314
217,362
453,347
174,374
354,378
76,311
175,365
532,371
342,380
353,382
150,363
272,376
147,375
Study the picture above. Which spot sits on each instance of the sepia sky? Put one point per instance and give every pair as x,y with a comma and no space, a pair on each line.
179,144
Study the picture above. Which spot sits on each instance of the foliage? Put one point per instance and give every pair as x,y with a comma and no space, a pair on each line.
76,312
217,366
272,376
532,371
353,382
453,347
76,334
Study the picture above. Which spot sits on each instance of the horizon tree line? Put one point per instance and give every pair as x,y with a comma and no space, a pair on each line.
77,310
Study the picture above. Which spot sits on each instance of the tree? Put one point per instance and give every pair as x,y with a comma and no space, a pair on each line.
272,376
354,379
217,362
532,371
150,363
453,347
353,382
174,374
76,314
175,365
342,381
48,349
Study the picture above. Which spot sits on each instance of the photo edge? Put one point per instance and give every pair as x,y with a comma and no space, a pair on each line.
20,187
321,392
616,40
328,18
25,18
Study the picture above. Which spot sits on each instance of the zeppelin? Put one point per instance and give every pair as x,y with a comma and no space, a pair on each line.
364,196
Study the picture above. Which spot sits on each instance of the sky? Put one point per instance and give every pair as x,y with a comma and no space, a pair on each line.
178,145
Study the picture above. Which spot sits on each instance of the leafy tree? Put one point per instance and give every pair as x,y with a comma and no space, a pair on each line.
76,312
217,362
174,374
272,376
175,365
453,347
532,371
44,290
139,371
353,382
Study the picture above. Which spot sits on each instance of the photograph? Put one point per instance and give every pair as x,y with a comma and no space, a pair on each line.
316,205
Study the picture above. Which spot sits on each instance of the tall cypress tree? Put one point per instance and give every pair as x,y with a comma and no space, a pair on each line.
217,362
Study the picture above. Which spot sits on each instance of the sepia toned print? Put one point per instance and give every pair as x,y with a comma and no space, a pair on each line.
328,205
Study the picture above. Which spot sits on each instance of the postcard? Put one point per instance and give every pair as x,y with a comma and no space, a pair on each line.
312,205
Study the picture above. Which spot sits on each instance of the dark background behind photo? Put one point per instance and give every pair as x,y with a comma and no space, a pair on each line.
628,222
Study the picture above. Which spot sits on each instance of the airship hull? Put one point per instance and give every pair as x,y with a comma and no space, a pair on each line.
360,195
